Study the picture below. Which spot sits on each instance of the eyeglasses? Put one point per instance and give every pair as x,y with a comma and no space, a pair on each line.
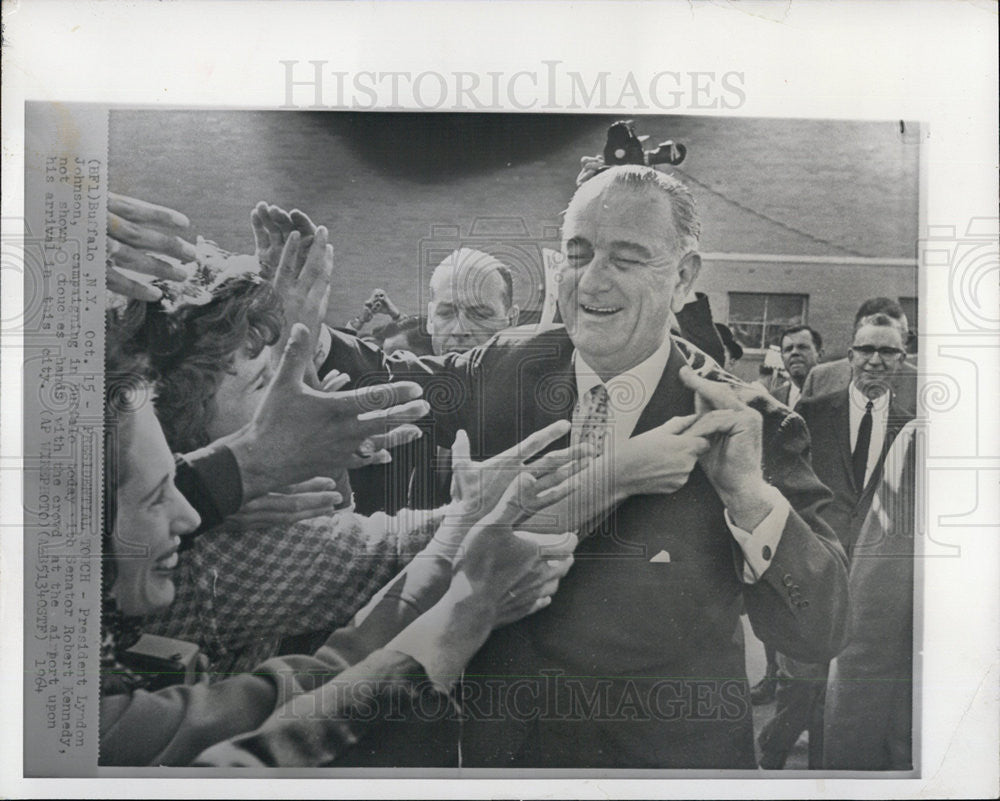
886,353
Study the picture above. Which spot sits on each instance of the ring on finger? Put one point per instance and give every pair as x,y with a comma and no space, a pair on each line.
366,449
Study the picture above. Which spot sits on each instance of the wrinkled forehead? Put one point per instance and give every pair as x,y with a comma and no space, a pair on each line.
467,283
621,213
798,338
879,335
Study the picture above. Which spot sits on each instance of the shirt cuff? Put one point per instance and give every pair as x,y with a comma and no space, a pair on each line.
210,480
760,545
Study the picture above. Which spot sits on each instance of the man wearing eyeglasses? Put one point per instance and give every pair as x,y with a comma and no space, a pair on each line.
852,430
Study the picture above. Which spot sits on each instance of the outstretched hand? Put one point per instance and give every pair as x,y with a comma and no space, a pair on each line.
304,501
478,486
510,572
305,288
299,432
138,230
272,226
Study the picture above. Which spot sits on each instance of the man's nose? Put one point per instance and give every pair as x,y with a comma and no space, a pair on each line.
595,277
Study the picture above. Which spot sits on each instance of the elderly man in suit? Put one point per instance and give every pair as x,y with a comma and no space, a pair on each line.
836,375
696,507
852,430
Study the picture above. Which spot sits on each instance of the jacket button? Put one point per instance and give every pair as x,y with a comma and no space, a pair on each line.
804,604
787,580
766,553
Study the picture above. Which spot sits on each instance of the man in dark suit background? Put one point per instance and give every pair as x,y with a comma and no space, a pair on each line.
836,375
697,507
851,430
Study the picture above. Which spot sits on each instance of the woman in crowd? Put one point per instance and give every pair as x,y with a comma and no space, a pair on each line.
426,625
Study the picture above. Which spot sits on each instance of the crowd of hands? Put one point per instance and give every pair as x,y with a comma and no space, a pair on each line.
305,429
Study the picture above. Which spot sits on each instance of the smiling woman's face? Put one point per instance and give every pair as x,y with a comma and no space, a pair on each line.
151,517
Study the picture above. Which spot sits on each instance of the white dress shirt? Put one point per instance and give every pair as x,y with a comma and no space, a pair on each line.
857,402
628,395
794,393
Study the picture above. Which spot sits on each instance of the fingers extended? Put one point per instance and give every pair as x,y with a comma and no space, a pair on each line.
140,211
130,288
149,239
129,258
374,400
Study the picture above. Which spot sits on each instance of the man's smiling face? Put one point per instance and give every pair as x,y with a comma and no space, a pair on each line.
623,274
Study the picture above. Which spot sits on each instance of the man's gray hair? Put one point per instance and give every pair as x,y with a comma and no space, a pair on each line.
636,176
884,319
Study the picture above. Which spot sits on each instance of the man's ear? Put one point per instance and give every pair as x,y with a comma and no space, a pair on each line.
512,315
687,273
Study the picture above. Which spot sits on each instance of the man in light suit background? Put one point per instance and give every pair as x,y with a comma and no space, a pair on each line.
852,430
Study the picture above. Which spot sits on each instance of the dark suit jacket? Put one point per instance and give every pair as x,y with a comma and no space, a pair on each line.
829,426
781,393
636,663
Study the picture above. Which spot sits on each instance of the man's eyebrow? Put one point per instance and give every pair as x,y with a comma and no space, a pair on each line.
157,489
640,250
481,308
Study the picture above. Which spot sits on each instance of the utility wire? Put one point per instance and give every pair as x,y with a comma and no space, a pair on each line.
785,226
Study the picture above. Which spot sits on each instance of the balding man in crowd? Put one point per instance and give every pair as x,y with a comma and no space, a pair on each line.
472,298
697,507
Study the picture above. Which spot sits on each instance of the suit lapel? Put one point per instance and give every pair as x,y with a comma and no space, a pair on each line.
550,373
841,405
670,398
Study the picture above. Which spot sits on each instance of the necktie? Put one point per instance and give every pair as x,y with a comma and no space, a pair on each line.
590,420
860,456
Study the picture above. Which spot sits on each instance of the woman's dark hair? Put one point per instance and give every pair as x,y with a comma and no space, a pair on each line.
190,348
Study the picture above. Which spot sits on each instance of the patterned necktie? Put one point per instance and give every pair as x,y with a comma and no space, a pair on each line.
590,419
860,456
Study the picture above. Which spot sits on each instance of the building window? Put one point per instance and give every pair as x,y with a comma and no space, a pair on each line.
758,318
